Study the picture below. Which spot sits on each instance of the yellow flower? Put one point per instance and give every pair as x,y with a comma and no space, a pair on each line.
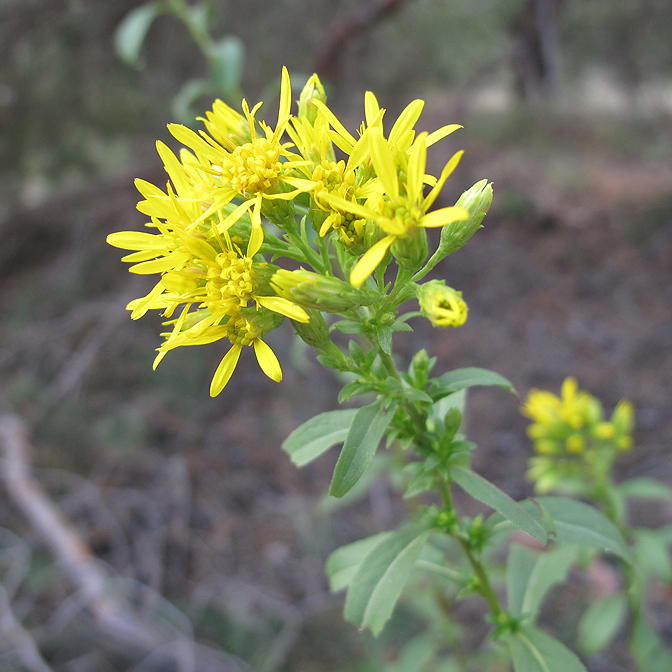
402,211
243,331
255,169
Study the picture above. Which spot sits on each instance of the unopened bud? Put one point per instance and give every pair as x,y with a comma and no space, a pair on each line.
313,90
476,201
317,291
411,251
442,306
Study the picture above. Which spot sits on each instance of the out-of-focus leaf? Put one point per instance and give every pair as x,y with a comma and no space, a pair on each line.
601,622
131,32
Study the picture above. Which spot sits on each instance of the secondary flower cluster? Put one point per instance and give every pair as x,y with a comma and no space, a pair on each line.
571,436
209,235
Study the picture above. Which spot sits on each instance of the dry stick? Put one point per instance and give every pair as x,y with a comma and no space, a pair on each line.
355,23
113,617
11,631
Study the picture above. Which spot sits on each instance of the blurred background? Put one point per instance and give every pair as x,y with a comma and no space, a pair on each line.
187,540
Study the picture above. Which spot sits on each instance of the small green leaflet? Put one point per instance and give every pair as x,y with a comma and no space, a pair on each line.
316,436
343,563
460,379
131,32
367,429
601,622
381,576
530,574
578,523
488,493
534,651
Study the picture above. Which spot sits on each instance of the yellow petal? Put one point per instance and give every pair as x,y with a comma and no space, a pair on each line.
135,240
444,216
335,123
368,263
225,370
284,307
445,174
267,360
256,239
168,263
339,203
285,96
175,170
234,216
371,108
442,133
384,163
417,163
405,123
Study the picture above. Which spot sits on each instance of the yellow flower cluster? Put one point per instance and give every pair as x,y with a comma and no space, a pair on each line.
207,233
571,435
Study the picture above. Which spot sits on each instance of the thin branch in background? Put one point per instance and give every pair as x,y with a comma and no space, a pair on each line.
112,616
361,19
17,639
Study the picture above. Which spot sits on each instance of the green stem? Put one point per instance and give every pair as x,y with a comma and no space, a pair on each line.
484,586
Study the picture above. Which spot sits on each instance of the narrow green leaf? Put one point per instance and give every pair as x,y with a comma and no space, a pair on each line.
316,436
601,622
578,523
343,563
651,555
415,654
461,379
644,488
366,431
381,577
534,651
132,30
530,574
488,493
648,649
226,61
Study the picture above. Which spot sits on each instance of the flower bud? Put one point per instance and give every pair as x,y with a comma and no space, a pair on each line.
476,201
442,306
411,251
311,91
317,291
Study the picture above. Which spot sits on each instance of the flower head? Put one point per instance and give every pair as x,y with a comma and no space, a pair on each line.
442,306
401,210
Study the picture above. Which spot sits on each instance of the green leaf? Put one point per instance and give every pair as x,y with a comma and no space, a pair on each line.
132,30
644,488
651,555
316,436
578,523
601,622
647,648
530,574
366,431
488,493
384,336
534,651
343,563
414,655
381,577
226,62
352,389
460,379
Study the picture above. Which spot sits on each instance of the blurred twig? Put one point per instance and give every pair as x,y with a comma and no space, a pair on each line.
327,63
